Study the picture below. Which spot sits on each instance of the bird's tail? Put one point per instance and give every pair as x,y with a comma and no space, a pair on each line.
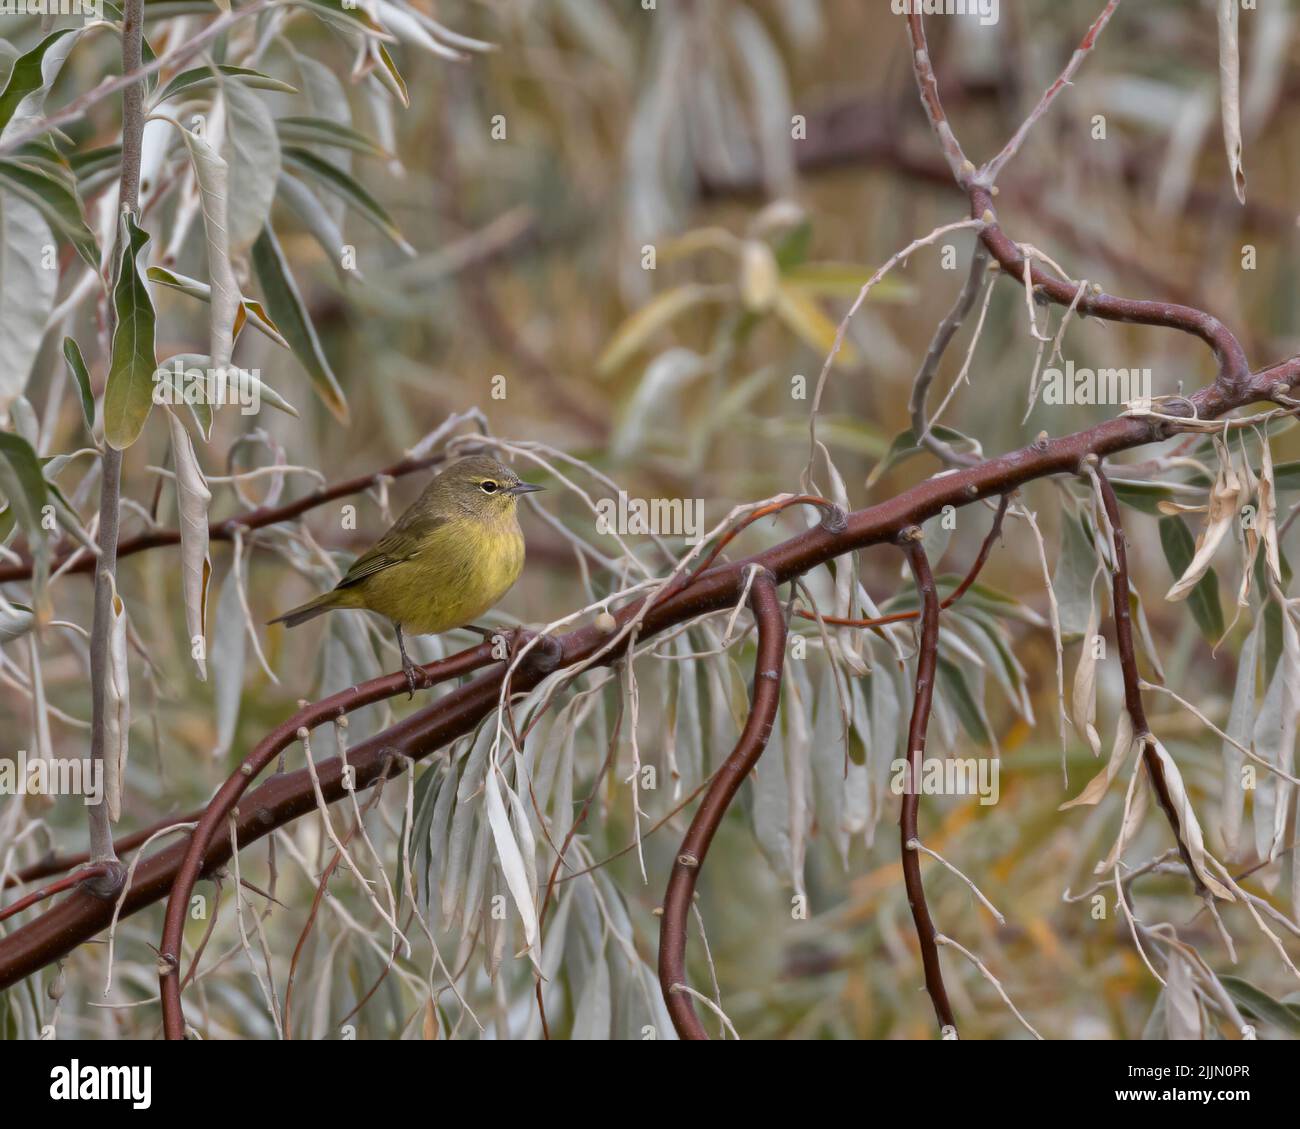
309,610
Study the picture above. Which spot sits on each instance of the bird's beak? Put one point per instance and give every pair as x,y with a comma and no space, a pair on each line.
524,488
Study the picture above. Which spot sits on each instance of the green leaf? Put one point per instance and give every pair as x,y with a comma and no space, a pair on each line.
989,638
1272,613
252,310
343,185
1074,576
15,621
1180,548
392,78
324,131
424,800
846,280
88,163
56,199
846,432
792,248
969,710
990,600
24,485
1143,496
807,321
290,313
77,366
27,75
128,395
1260,1005
635,332
905,446
978,596
191,80
171,375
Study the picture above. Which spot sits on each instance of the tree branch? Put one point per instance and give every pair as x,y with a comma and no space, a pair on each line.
926,662
1132,677
738,765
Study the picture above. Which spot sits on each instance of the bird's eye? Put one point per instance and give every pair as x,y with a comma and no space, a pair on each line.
488,486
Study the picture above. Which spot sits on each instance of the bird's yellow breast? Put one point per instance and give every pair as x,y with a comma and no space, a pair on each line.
455,574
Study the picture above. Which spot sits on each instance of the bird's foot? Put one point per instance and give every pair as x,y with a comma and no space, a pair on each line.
414,676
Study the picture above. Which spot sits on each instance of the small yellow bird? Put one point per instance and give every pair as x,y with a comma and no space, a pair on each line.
449,558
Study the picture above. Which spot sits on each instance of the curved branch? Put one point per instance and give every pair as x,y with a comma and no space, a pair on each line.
1133,679
926,661
690,858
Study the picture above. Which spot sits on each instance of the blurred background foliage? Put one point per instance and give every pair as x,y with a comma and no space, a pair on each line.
623,133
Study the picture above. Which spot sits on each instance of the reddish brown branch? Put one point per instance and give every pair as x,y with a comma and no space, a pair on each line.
695,846
972,574
927,656
99,870
1012,147
1133,679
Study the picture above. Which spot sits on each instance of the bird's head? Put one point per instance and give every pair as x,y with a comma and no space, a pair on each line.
483,487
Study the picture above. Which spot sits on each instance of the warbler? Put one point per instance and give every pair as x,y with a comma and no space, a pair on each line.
449,558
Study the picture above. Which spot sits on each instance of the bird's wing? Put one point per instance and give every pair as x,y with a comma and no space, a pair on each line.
398,545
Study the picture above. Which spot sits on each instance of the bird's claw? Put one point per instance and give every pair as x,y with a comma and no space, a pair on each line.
408,668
